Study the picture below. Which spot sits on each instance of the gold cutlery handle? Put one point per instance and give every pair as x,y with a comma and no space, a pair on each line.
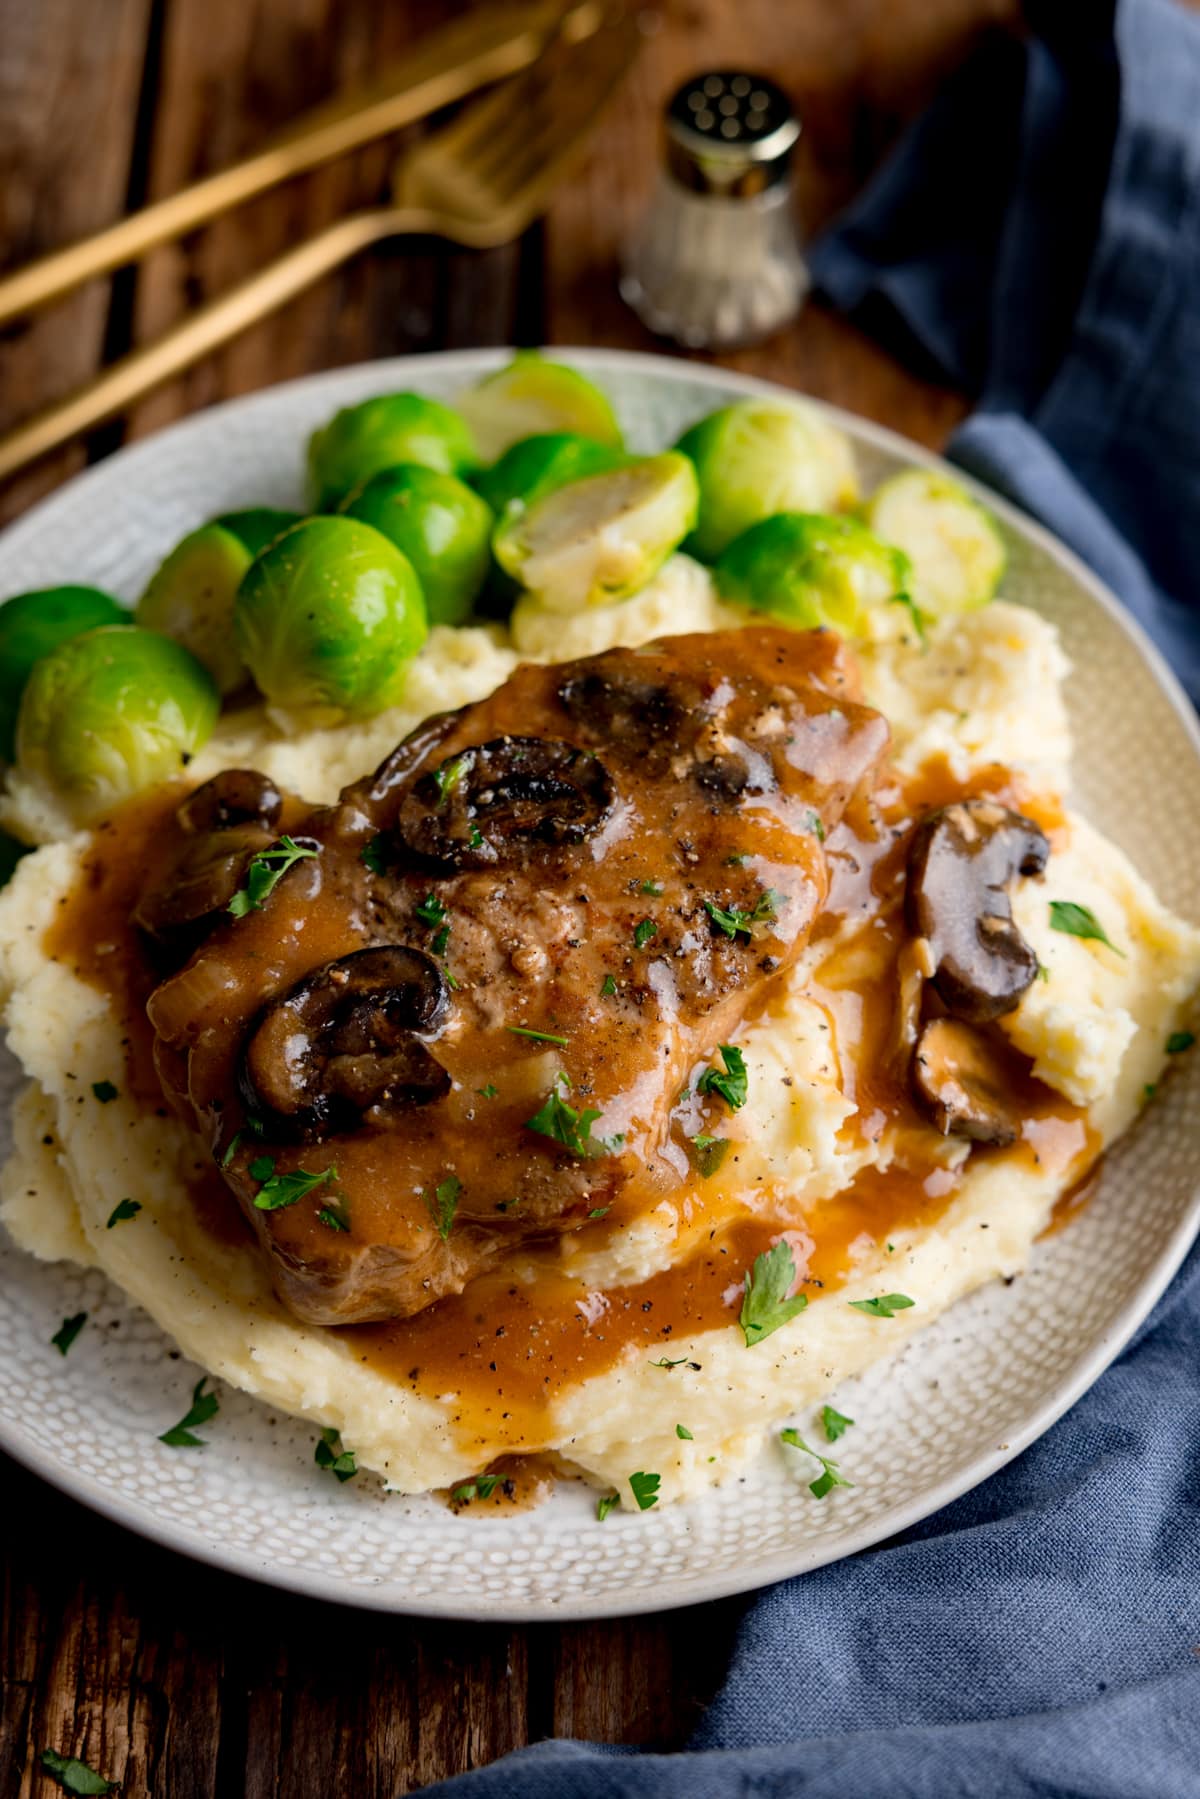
487,45
213,325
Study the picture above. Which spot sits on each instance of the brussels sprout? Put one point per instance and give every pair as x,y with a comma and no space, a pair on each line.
537,465
531,395
809,569
759,457
111,712
327,617
600,539
190,598
956,551
440,524
380,433
257,526
33,624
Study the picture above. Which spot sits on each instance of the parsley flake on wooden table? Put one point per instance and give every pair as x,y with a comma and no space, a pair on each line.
1079,921
768,1302
644,1488
829,1476
733,1084
335,1460
124,1209
264,873
886,1306
67,1332
203,1408
73,1776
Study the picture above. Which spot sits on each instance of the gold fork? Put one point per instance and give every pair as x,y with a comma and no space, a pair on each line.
479,182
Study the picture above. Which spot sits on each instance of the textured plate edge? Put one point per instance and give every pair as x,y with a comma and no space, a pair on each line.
669,1594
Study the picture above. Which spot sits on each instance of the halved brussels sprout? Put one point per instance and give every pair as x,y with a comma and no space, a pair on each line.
955,548
810,569
328,616
190,597
760,457
33,624
532,395
440,524
110,713
257,526
600,539
537,465
380,433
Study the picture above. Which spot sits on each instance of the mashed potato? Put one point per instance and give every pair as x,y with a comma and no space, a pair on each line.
986,689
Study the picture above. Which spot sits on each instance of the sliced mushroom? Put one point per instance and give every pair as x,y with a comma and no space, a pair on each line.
962,1083
179,909
237,796
960,864
497,801
341,1048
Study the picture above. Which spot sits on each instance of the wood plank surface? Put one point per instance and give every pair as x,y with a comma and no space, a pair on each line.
176,1681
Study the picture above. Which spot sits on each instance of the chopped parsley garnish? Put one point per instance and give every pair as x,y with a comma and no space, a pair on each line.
766,1304
438,946
253,1127
734,919
605,1504
203,1407
709,1153
279,1190
886,1306
262,1168
644,1488
447,777
124,1208
73,1776
598,1212
264,873
815,824
828,1477
67,1332
1178,1041
1043,973
519,1030
373,855
481,1487
334,1217
431,911
330,1455
684,1434
488,1092
104,1091
738,861
445,1204
653,888
563,1124
915,614
834,1424
643,931
734,1084
1079,921
608,987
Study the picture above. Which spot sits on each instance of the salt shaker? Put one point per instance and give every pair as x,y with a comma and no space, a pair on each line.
715,261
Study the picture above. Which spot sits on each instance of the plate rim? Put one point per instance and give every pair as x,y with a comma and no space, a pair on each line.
672,1592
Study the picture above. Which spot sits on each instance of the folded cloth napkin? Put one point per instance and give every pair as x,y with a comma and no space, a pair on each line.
1037,239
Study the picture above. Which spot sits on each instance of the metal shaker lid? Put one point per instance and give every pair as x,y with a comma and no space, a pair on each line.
730,133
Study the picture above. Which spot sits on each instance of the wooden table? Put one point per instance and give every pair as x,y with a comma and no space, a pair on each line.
173,1680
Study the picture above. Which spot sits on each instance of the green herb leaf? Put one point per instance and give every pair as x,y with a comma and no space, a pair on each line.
481,1487
663,1362
519,1030
767,908
643,932
1043,973
262,1168
280,1190
915,614
264,873
373,855
335,1217
447,777
708,1154
737,861
1178,1041
330,1455
1079,921
74,1776
431,910
488,1092
766,1304
828,1477
734,1084
203,1407
253,1127
682,1431
644,1488
608,987
445,1204
124,1208
816,825
104,1091
563,1124
834,1424
885,1306
440,941
598,1212
605,1504
653,888
67,1332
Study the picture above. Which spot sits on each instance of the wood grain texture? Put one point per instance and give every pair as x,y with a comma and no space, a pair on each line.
176,1681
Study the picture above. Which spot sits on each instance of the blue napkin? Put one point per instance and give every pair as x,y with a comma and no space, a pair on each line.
1036,238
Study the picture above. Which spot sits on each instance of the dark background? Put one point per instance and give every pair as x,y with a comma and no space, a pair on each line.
173,1680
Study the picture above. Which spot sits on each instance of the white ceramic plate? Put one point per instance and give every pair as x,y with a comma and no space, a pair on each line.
1005,1363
